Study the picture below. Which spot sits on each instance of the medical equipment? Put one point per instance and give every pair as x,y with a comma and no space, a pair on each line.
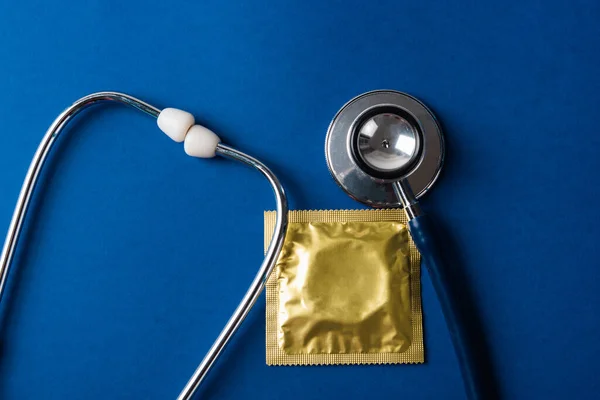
198,142
385,149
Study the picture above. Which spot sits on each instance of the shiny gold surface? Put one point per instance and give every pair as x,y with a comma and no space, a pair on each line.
345,290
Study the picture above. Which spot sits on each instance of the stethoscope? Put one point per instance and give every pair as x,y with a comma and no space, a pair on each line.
381,147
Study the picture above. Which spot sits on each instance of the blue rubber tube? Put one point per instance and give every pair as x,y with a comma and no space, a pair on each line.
441,278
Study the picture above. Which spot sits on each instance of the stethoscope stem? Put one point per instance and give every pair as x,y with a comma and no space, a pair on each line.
407,198
257,285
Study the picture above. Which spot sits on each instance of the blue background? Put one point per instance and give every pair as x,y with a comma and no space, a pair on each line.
134,255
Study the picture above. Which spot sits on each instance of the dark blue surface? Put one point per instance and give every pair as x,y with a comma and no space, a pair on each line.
138,254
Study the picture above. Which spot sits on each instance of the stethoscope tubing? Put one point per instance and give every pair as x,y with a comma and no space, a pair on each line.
421,231
425,239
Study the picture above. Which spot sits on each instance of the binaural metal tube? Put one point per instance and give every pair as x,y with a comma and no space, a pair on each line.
257,284
38,161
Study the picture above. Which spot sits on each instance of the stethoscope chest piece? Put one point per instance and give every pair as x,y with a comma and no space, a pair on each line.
381,137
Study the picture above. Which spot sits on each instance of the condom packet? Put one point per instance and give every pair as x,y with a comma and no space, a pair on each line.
345,290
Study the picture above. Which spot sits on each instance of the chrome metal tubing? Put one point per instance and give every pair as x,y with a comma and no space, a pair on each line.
38,161
259,281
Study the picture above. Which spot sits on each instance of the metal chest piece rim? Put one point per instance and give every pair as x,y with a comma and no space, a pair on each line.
357,178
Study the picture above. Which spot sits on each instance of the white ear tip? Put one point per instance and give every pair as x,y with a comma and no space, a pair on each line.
201,142
175,123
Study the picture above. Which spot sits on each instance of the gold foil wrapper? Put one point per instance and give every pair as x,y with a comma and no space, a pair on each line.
346,290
